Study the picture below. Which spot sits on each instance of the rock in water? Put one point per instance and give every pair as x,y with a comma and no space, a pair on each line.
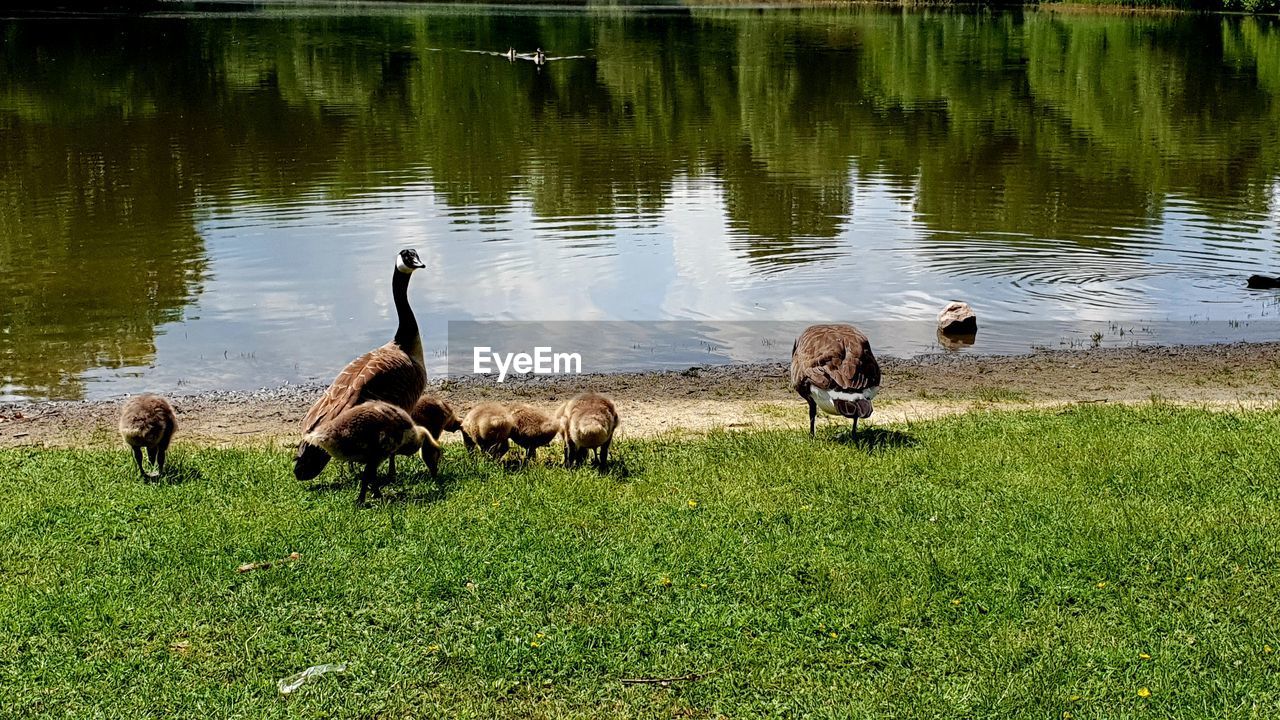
957,318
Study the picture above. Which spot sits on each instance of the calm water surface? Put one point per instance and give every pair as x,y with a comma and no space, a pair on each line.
214,201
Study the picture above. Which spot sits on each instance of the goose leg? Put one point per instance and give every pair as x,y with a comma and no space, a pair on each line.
160,460
367,478
813,414
137,458
391,477
853,435
604,456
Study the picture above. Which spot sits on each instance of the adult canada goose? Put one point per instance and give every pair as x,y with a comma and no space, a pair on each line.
488,426
435,414
587,421
370,433
833,369
148,421
533,428
393,373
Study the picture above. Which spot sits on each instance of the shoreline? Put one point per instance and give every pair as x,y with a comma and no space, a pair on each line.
702,399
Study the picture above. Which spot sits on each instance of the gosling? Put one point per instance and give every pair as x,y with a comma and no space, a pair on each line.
370,433
533,429
587,422
148,421
435,414
488,426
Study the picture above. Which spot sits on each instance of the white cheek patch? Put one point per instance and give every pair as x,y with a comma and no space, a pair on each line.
402,267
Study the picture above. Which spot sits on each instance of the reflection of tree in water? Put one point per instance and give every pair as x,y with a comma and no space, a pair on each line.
97,246
1016,129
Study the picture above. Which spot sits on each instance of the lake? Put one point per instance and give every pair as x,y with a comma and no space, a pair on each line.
214,200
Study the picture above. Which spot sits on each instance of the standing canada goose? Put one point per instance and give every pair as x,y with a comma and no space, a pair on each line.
832,368
394,373
435,414
587,421
539,58
370,433
148,421
533,429
488,426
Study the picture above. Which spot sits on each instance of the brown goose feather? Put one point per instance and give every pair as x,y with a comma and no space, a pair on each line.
834,357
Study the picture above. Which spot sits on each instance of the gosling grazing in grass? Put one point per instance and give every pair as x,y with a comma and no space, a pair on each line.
533,428
488,426
435,414
394,373
370,433
833,369
587,422
148,421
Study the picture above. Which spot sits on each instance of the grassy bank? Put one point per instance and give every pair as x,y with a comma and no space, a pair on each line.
1100,562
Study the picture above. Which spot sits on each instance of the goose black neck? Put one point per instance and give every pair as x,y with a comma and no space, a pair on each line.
407,330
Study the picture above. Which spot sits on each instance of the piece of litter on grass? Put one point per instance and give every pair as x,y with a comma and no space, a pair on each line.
251,566
297,680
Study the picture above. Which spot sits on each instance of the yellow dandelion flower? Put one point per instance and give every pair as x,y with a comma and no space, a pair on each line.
1144,692
1102,584
1074,698
1266,648
534,643
432,648
1190,578
1144,656
693,503
702,585
666,581
1066,715
495,503
833,635
540,635
956,601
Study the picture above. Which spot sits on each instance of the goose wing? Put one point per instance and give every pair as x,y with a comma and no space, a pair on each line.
833,358
386,373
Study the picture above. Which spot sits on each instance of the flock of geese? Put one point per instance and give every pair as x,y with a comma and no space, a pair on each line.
377,408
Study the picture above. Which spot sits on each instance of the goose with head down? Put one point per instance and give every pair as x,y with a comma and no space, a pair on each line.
148,421
394,373
370,433
834,370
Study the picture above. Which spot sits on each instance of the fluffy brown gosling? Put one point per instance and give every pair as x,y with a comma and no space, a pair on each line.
488,426
587,422
148,421
435,414
370,433
533,429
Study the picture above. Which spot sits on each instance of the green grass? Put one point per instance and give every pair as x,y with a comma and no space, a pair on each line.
999,565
